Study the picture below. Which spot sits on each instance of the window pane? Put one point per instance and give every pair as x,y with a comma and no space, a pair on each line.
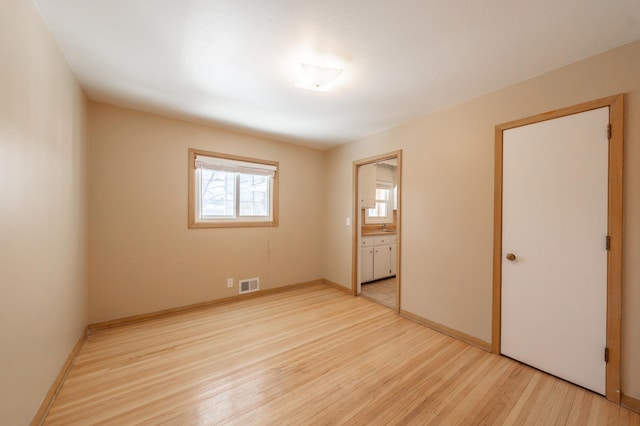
254,195
382,194
379,211
218,193
382,209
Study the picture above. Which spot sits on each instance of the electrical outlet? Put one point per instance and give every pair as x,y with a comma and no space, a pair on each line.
229,282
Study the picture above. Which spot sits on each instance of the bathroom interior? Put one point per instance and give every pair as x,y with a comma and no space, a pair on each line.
378,239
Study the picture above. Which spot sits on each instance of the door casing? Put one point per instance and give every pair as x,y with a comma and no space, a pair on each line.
355,249
614,255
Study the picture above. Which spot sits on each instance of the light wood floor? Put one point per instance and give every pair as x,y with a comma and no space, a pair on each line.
381,291
309,356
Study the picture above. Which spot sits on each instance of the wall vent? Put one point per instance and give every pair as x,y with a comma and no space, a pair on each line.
248,285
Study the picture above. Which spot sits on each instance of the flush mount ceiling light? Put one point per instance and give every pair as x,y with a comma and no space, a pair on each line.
314,77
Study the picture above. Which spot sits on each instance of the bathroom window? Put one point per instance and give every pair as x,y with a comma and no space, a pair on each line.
383,210
231,191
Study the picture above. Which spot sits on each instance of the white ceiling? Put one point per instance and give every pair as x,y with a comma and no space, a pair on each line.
234,62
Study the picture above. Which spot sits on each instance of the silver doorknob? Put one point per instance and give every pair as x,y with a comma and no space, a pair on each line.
511,257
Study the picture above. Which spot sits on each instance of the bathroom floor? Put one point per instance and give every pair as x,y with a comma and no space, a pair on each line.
381,291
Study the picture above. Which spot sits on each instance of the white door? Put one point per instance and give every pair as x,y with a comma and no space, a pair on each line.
554,294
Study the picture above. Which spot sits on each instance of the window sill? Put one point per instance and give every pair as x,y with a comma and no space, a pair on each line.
234,224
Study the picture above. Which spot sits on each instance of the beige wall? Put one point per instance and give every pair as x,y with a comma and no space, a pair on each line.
143,258
43,221
448,159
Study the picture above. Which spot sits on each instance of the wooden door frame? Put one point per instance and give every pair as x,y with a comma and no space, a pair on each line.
614,255
355,247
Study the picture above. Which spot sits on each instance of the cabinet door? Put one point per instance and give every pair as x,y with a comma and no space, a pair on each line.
381,262
392,252
366,271
367,186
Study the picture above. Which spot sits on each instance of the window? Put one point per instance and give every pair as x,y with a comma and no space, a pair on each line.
383,210
230,191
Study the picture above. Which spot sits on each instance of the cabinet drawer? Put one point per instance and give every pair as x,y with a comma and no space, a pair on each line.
367,242
380,241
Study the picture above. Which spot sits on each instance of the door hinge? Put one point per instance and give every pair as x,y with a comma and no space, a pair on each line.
609,131
608,242
606,354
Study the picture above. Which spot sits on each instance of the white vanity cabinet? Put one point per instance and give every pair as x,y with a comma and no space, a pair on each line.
381,261
378,257
392,252
366,251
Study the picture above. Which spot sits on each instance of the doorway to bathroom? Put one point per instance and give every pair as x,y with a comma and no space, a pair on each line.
376,263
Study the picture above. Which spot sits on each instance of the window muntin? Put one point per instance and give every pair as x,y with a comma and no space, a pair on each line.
231,191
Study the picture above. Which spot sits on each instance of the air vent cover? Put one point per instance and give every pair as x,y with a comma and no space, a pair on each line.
248,285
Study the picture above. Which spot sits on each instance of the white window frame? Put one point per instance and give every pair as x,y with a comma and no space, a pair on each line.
368,219
199,160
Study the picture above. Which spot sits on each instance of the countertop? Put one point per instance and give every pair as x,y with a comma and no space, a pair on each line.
377,233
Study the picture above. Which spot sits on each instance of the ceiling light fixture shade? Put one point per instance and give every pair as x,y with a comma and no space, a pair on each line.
314,77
